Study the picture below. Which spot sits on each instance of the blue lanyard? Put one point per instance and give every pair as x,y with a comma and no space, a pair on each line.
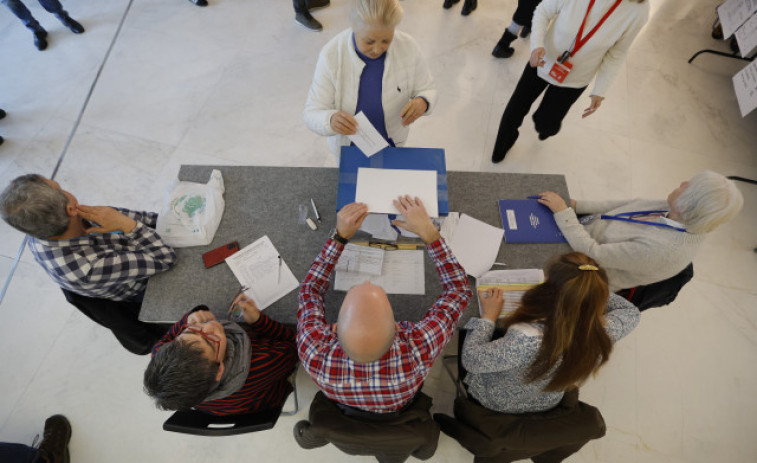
625,216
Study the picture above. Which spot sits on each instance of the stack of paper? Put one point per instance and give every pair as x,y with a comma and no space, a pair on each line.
361,259
378,188
259,267
515,283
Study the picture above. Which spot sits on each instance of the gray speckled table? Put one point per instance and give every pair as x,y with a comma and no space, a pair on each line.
264,201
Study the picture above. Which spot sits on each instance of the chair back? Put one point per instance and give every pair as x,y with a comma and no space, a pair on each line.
206,424
661,293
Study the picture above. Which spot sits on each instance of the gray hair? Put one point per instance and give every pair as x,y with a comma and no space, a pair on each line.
179,376
386,13
710,200
32,206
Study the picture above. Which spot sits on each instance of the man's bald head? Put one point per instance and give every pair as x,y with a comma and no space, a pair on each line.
365,326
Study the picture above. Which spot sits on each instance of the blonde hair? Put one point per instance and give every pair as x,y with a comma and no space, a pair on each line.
386,13
710,200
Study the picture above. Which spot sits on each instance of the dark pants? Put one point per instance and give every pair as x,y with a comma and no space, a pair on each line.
23,13
552,109
525,12
122,318
300,6
18,453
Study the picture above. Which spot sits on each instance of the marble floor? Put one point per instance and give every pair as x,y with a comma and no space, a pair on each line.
119,108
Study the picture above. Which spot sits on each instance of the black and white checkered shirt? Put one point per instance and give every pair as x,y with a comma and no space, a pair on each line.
109,266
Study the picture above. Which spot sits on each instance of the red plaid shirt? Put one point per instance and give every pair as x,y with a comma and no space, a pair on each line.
389,383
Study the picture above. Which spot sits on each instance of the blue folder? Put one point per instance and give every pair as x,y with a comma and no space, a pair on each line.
527,221
391,158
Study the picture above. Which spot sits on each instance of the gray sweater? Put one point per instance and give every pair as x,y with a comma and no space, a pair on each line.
497,369
632,254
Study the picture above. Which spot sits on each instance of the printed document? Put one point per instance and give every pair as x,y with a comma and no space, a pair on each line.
367,138
258,267
361,259
378,188
733,13
515,283
475,244
402,273
745,85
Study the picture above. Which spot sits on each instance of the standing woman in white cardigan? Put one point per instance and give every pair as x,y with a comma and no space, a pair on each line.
599,54
371,68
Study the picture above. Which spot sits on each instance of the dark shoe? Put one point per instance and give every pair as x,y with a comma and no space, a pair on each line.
200,2
54,445
40,40
317,4
502,146
304,438
2,114
307,20
525,32
448,4
2,140
503,48
71,23
543,136
469,6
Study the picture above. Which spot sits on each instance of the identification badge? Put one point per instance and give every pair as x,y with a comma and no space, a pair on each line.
560,71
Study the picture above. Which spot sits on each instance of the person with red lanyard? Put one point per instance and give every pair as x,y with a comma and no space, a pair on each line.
572,41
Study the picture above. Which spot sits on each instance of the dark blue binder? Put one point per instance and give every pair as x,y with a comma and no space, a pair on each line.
391,158
527,221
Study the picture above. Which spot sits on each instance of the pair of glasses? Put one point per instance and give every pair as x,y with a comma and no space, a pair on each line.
211,338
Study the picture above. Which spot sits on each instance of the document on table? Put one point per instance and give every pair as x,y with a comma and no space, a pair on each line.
475,244
733,13
361,259
367,138
379,226
746,36
378,188
515,283
402,273
258,267
745,85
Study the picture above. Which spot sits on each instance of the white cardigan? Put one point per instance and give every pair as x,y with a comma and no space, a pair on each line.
337,80
603,54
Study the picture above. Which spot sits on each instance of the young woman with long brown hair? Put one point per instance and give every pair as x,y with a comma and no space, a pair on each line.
561,334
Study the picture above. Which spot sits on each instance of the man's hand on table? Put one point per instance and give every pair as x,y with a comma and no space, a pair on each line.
416,218
492,301
350,218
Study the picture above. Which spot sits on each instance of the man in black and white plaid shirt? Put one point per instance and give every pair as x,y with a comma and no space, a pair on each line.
100,256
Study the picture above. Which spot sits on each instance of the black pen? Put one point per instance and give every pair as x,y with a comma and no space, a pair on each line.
315,209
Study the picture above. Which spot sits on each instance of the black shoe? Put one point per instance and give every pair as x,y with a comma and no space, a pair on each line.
2,114
525,32
305,439
543,137
317,4
200,2
503,48
448,4
2,140
54,445
469,6
40,39
71,23
307,20
502,146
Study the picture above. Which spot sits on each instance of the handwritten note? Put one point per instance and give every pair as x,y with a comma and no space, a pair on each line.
367,138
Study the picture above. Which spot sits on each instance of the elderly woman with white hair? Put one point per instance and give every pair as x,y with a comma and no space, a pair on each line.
641,241
371,68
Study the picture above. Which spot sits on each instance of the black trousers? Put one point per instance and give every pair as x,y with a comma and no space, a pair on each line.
122,318
547,118
525,12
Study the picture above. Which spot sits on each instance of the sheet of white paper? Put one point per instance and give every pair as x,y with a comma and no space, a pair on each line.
475,244
514,282
402,274
746,36
361,259
745,85
257,267
449,225
379,187
733,13
367,138
379,226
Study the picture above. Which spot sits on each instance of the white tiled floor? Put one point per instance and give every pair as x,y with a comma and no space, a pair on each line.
226,85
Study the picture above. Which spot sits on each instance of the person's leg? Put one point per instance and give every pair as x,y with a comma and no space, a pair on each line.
469,6
17,453
553,108
54,7
23,13
54,445
303,17
525,12
529,87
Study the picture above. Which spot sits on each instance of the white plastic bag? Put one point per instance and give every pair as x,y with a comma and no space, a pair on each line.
192,212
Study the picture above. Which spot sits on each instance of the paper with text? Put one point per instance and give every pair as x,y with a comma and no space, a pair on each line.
378,188
361,259
367,138
746,36
733,13
402,273
475,244
745,85
514,282
257,267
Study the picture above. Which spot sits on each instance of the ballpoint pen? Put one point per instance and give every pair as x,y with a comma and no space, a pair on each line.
235,311
278,271
315,209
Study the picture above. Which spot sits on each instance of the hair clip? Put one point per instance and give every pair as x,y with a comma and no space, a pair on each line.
588,267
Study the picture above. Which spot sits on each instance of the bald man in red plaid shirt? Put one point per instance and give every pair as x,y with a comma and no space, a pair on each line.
367,360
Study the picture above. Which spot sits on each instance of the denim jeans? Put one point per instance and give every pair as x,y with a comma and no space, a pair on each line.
23,13
17,453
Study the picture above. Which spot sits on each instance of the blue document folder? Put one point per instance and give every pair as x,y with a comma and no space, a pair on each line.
527,221
391,158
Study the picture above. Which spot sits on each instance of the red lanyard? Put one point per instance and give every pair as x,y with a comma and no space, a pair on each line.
580,40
